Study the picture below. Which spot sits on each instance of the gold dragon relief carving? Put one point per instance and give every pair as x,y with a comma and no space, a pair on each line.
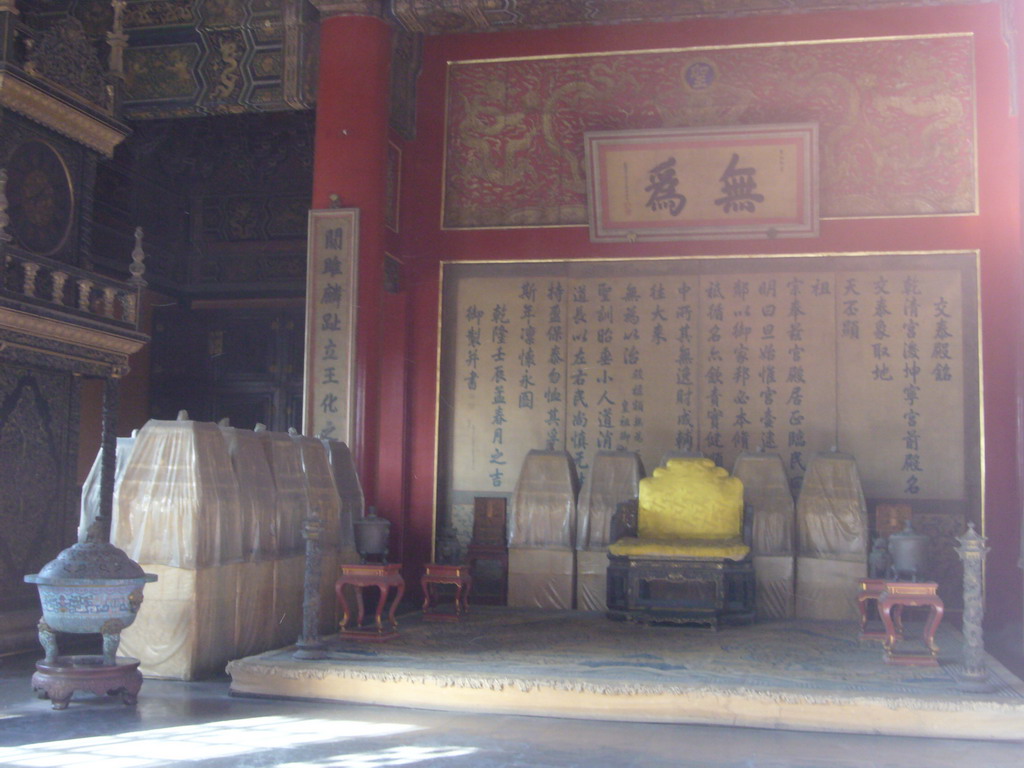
226,66
702,98
896,133
493,140
500,147
161,13
161,72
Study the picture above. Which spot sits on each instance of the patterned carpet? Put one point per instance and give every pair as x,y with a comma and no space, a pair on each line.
583,651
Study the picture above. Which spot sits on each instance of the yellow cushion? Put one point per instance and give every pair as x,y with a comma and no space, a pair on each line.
690,499
723,549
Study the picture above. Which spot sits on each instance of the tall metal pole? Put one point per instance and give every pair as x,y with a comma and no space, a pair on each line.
974,677
309,645
108,453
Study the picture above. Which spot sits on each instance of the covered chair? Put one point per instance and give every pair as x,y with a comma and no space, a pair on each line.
542,519
684,553
614,478
766,492
832,538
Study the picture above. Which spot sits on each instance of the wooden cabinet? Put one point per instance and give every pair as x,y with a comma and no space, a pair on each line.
243,364
488,551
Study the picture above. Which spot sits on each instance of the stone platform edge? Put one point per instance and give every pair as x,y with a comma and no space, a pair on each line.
969,717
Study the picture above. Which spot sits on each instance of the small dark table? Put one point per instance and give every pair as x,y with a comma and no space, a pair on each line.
58,679
435,574
384,577
489,546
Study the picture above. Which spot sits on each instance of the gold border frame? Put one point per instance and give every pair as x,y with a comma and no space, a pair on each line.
73,212
602,229
975,253
63,117
350,215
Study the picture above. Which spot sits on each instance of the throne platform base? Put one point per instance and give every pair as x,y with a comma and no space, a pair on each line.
793,675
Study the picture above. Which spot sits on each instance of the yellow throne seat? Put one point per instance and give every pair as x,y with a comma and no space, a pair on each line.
688,508
681,550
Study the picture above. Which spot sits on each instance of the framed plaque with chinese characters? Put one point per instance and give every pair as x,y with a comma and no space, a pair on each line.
748,181
331,275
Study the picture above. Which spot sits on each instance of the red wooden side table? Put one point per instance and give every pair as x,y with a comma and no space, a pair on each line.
895,597
384,577
435,574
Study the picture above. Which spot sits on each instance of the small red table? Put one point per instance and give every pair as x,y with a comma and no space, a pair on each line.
446,574
894,598
384,577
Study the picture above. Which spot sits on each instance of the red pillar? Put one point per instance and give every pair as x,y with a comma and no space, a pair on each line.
349,161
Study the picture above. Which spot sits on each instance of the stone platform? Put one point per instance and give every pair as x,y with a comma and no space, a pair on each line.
796,675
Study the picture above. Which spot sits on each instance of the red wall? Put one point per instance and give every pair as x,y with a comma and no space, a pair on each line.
408,361
349,159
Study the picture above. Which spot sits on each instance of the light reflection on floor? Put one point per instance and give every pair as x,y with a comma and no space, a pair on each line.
222,739
385,757
199,725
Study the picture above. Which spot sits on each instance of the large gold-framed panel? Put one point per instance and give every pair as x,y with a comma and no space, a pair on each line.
876,354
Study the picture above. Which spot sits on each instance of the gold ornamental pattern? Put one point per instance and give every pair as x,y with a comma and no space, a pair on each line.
896,119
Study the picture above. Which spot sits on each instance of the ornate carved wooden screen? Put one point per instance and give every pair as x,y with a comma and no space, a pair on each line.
39,442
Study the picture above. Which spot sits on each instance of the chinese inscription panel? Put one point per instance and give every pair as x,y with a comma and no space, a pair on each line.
669,184
330,322
876,355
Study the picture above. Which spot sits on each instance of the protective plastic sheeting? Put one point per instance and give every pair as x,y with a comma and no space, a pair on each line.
289,581
541,578
323,495
766,493
350,491
178,503
90,506
542,511
614,478
832,538
254,624
254,608
827,589
185,628
284,456
775,590
257,493
832,516
205,615
328,600
592,580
